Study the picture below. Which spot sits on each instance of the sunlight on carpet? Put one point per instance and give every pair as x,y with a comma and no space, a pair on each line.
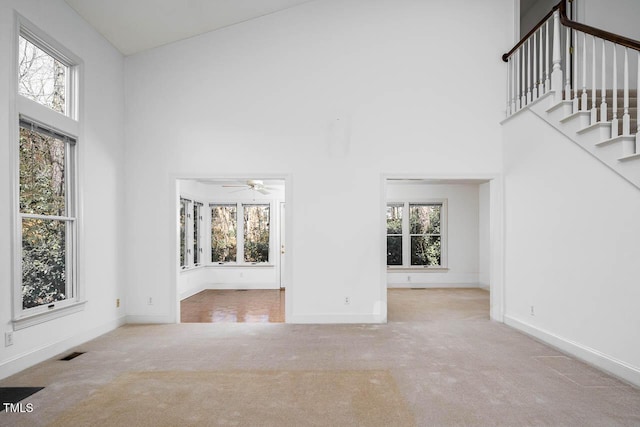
266,398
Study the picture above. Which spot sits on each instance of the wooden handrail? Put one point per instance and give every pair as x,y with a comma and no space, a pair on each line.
562,9
523,40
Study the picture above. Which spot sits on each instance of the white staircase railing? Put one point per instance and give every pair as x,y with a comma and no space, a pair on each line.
583,67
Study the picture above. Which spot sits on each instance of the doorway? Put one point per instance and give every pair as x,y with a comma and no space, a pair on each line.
442,235
230,249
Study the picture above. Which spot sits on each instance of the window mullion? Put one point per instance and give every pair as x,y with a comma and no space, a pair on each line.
406,238
240,233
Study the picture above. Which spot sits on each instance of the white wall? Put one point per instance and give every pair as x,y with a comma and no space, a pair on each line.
616,16
102,183
462,235
213,276
484,235
259,97
529,18
571,248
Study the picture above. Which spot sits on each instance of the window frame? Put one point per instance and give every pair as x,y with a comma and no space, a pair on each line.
240,227
184,240
244,241
210,229
401,234
68,125
406,234
197,209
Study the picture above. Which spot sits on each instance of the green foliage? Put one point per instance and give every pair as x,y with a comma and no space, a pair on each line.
223,233
394,250
42,161
43,262
256,233
425,250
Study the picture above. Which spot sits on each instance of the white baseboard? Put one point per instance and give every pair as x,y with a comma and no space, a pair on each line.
143,319
38,355
406,285
231,286
334,318
617,368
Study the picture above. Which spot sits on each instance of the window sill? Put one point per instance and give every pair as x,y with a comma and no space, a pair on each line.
418,268
246,265
45,316
191,268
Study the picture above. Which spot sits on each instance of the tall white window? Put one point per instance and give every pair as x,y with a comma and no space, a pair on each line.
48,215
256,233
224,233
197,233
416,234
45,164
185,217
394,234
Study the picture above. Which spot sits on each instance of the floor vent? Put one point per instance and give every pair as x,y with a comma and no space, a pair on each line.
72,355
241,290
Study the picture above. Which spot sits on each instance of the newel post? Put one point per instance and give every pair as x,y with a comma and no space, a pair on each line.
556,72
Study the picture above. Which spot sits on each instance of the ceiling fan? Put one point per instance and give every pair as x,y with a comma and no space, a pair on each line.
253,184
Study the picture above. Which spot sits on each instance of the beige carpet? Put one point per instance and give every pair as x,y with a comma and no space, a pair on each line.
248,398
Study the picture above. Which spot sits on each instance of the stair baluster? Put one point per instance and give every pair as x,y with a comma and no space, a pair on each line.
626,122
567,84
534,80
523,82
627,145
541,90
516,74
637,150
584,99
614,107
529,60
603,105
556,73
594,100
547,81
576,105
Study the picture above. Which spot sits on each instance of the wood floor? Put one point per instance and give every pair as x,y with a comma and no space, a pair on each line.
234,306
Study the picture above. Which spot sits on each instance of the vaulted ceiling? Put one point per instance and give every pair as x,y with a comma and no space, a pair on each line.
133,26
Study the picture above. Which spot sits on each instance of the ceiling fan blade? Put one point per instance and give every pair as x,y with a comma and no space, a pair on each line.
262,191
234,185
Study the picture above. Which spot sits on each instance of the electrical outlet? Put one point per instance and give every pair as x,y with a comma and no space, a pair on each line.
532,311
150,301
117,302
408,278
347,301
8,339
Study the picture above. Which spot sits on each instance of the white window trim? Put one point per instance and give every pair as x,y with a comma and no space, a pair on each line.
240,234
406,236
196,242
187,229
70,124
189,235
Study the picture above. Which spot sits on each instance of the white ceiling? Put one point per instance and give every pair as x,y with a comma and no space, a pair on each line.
136,25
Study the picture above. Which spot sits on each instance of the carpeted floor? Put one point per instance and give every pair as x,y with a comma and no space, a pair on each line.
439,361
252,398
